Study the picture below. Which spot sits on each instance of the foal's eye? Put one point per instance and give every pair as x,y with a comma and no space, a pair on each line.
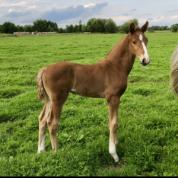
134,42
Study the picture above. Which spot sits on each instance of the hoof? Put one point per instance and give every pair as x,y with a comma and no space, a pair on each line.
115,157
116,160
40,151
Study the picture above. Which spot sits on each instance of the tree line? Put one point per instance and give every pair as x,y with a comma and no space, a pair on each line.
94,25
42,25
38,26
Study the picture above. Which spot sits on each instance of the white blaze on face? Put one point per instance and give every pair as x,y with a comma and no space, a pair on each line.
145,55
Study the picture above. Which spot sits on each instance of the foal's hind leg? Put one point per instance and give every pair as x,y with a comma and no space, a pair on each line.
53,120
42,128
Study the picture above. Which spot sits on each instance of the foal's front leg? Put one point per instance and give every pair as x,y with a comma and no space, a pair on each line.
113,125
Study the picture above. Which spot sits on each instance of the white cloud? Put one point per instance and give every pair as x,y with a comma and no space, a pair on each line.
121,18
19,4
89,5
10,10
174,17
16,6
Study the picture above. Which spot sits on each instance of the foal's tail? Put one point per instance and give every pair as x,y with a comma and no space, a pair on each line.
42,95
174,71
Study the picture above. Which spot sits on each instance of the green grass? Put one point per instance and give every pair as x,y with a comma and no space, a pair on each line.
148,115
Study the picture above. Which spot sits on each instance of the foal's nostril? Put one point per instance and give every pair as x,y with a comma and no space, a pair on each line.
143,62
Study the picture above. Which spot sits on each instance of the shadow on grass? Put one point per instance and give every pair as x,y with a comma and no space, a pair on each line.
143,92
8,117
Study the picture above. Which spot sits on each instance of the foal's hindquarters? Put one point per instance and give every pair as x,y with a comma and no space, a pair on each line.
54,94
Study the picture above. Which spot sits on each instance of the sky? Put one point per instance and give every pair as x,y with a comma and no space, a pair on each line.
157,12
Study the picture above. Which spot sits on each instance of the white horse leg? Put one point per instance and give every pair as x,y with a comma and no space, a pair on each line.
113,111
112,144
42,127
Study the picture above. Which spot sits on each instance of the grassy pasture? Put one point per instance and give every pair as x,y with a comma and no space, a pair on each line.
148,115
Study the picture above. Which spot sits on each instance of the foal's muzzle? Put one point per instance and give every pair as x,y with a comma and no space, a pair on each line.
145,61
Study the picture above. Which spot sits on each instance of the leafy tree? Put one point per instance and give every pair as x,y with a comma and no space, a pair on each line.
125,27
69,28
156,27
44,26
110,26
20,28
84,28
174,28
8,27
61,30
80,26
40,25
76,28
101,25
52,26
95,25
0,28
28,28
91,25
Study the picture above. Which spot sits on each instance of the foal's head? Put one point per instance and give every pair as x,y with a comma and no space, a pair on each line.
138,43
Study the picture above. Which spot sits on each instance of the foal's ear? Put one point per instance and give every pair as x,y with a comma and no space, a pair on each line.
132,28
145,27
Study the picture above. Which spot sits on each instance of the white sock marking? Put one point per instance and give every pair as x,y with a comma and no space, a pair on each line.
112,150
41,146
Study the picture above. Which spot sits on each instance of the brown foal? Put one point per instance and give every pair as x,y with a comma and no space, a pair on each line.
106,79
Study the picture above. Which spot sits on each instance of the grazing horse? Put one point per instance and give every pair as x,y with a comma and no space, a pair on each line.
174,71
105,79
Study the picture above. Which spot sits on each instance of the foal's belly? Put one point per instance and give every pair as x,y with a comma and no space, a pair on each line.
89,81
87,92
89,88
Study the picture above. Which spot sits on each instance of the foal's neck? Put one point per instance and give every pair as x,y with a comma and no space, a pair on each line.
121,57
